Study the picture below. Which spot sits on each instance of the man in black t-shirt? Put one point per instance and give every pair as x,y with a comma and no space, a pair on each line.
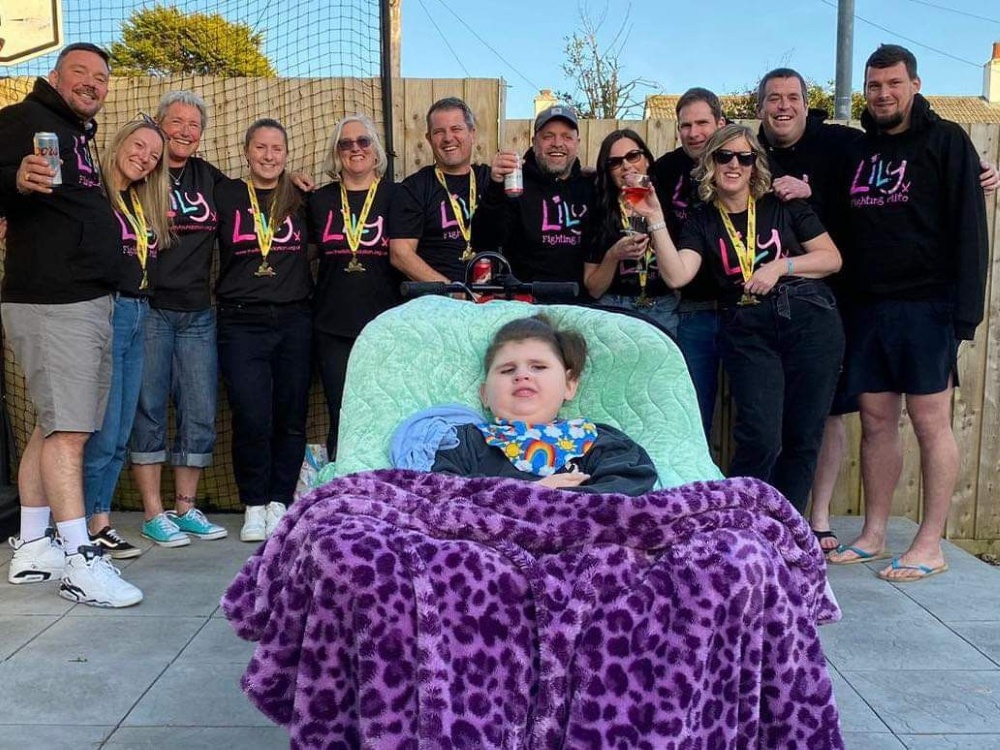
431,214
699,115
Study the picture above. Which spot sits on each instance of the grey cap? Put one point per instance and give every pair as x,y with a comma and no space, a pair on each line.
558,111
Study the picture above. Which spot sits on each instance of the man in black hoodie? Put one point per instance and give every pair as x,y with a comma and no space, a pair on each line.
915,255
62,267
543,232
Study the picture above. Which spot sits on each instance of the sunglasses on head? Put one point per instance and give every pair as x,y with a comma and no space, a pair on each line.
724,156
631,157
347,144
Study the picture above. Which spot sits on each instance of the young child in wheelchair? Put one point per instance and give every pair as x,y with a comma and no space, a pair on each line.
532,368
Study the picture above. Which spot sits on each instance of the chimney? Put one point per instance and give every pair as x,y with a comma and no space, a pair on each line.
991,77
546,99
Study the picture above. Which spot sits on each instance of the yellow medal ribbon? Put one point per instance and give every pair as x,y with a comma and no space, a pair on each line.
353,231
263,228
746,253
465,229
644,262
137,221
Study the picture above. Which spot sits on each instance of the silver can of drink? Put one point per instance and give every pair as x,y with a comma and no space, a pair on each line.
47,145
513,183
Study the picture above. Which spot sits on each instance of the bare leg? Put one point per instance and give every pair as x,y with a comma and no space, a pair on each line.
29,474
98,521
831,457
931,415
62,473
881,466
147,479
186,486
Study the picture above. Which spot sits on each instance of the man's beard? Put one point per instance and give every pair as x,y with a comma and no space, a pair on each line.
558,172
888,122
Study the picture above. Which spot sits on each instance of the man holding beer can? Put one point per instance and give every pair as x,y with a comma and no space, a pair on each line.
61,270
538,214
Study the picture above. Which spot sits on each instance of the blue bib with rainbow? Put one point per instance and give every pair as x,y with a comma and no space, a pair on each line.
540,449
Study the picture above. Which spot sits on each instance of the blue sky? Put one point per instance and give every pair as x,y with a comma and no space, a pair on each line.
725,45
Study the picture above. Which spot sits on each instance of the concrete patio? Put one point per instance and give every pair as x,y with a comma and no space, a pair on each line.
914,665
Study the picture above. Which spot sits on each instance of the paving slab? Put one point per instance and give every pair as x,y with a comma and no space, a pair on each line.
950,741
983,635
17,630
53,737
216,642
932,701
198,738
871,741
190,695
856,716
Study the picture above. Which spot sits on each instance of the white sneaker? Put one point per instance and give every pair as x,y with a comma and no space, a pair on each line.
36,561
275,512
254,524
90,578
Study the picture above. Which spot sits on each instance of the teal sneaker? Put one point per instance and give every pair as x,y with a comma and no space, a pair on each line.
194,522
164,532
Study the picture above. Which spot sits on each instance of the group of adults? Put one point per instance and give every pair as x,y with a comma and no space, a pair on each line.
772,252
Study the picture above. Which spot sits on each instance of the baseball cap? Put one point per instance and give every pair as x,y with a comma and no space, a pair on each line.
561,111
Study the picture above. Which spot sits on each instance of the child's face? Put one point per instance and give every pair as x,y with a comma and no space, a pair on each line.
527,382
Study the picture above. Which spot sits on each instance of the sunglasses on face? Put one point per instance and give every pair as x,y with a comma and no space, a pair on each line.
724,156
348,144
631,157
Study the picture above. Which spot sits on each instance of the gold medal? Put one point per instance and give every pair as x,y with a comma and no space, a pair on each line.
264,270
463,228
144,284
746,252
137,220
353,230
748,299
355,267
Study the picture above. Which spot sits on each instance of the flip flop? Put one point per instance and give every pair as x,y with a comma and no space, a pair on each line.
923,571
821,535
863,556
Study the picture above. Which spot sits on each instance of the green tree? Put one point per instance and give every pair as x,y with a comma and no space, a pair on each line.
164,40
742,105
595,67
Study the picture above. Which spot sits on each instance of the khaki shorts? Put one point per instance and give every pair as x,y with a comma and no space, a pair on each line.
65,353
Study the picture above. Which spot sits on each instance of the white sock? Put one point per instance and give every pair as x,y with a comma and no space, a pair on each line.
34,522
74,534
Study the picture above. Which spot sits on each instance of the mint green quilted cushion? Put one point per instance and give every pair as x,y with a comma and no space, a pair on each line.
430,350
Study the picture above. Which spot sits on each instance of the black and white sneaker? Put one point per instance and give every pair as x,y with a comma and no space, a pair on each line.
114,544
90,578
37,560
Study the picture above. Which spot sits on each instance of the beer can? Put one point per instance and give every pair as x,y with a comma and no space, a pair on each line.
482,271
513,183
47,145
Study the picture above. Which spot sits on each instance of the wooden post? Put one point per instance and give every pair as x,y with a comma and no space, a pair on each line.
395,36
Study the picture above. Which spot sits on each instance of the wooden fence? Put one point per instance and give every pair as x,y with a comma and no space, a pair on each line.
310,107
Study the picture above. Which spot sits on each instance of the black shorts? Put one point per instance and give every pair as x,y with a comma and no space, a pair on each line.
902,346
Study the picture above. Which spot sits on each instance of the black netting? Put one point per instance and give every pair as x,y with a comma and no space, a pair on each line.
321,60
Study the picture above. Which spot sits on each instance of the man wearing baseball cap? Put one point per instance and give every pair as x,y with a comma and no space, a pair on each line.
543,232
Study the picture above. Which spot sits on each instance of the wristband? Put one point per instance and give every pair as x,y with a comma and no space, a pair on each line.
657,226
790,265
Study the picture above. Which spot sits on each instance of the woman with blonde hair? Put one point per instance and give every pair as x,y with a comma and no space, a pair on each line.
135,176
349,226
781,341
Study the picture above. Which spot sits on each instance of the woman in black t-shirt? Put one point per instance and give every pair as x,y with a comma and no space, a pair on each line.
265,326
348,223
620,265
782,342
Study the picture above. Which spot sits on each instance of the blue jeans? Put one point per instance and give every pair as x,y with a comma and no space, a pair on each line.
104,454
264,356
698,339
181,364
663,311
783,359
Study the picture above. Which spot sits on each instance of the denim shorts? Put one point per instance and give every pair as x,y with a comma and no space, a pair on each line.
65,354
181,366
902,346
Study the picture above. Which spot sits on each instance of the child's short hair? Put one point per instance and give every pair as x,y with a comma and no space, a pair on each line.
569,346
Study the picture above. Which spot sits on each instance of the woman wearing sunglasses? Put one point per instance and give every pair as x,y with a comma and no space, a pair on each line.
620,268
348,224
265,326
135,175
782,340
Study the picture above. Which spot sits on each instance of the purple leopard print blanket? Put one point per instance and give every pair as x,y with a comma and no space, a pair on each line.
397,609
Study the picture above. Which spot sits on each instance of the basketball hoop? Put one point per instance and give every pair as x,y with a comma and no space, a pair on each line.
30,28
